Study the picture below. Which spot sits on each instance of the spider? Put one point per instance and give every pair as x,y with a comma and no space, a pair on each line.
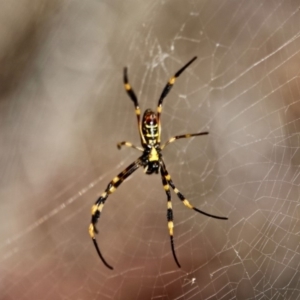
151,160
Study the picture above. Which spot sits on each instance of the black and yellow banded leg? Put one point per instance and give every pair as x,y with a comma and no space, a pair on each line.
166,91
134,99
183,199
128,144
99,204
183,136
170,216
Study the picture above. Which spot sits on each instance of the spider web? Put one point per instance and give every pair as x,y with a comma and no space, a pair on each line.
63,109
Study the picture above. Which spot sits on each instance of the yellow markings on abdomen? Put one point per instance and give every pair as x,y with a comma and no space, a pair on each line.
187,203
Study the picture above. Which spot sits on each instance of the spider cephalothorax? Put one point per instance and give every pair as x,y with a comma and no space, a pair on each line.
151,160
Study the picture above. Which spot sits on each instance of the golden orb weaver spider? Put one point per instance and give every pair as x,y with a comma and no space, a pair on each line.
151,160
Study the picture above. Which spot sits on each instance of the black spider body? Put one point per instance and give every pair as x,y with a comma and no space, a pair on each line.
151,160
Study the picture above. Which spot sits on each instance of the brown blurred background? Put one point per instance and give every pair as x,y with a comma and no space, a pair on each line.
63,109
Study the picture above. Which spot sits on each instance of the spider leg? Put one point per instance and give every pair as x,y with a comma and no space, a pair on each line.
177,137
182,198
127,144
166,91
169,215
98,206
134,99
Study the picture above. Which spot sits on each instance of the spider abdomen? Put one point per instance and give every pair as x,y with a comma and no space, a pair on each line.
150,127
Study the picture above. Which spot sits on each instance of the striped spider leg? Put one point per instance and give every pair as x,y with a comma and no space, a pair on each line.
99,204
167,182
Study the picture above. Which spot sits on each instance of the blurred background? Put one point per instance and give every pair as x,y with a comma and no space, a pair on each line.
63,109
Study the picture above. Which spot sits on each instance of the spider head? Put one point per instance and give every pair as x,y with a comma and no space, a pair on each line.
152,158
152,167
